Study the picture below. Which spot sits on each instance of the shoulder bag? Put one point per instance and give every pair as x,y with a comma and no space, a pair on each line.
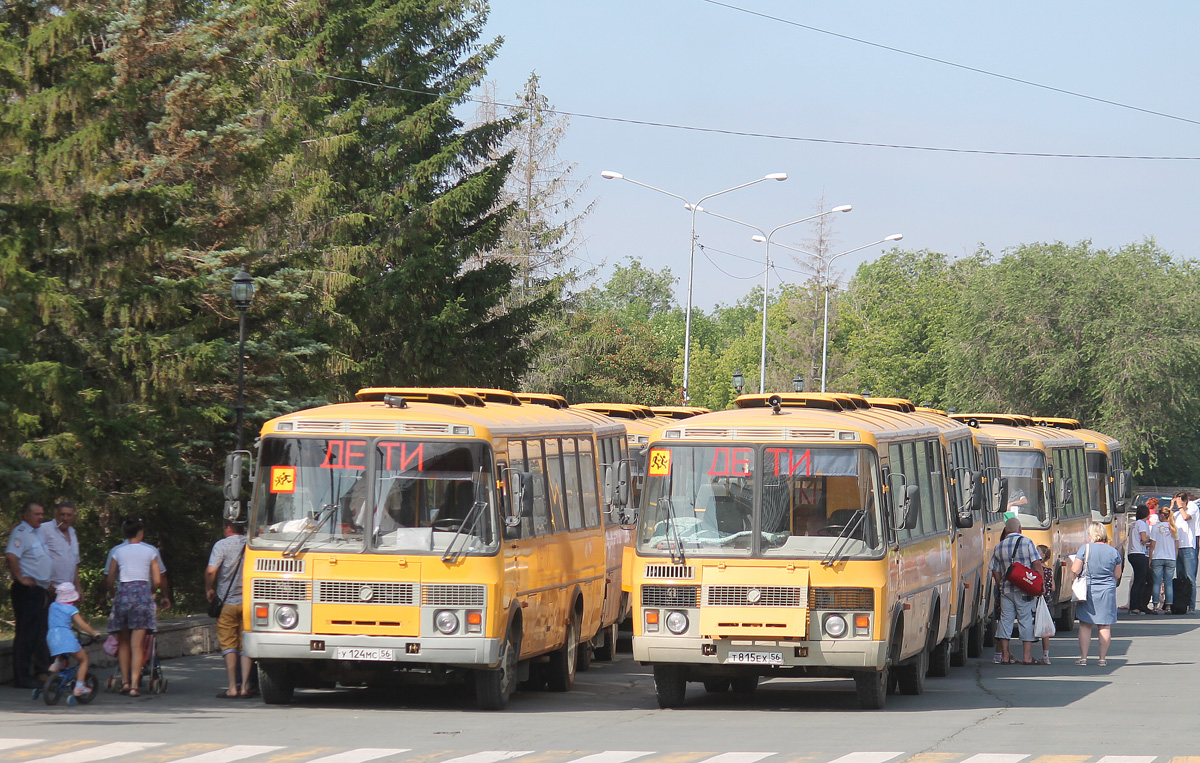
214,606
1024,578
1079,587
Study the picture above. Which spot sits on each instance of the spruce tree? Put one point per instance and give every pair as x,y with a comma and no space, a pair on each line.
392,198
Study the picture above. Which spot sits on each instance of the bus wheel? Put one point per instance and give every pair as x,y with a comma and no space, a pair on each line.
872,688
912,674
975,639
670,685
939,660
608,650
494,687
560,672
958,655
1065,622
276,683
716,685
744,684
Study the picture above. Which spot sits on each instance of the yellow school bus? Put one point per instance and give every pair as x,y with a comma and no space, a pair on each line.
791,537
960,467
994,507
678,411
1109,484
429,536
1046,478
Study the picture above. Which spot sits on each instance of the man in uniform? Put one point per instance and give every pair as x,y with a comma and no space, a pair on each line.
29,563
63,545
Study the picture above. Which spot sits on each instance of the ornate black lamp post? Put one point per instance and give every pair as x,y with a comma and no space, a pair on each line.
739,382
242,292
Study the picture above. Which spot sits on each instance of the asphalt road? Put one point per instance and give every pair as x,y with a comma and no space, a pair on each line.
1142,706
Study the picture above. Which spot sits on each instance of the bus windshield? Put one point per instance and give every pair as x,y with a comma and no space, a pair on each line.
772,501
390,495
1026,470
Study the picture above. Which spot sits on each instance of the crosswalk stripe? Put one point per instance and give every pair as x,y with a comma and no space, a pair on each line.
8,744
611,756
738,757
1127,759
995,758
867,757
103,752
230,754
360,755
489,756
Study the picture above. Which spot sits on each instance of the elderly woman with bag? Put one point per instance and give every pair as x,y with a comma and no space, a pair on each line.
1100,563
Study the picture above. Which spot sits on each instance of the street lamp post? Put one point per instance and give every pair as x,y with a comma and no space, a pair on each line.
242,293
687,321
761,238
825,265
739,382
798,383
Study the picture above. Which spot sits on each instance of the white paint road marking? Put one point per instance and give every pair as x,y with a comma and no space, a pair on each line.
867,757
360,755
8,744
612,756
103,752
489,756
230,754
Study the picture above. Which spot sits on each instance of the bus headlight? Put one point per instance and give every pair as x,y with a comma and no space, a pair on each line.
835,625
446,622
677,622
287,616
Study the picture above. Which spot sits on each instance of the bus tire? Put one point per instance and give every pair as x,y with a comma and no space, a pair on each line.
670,685
975,638
958,655
560,672
911,675
583,662
939,660
744,684
276,683
872,688
1065,622
607,651
494,687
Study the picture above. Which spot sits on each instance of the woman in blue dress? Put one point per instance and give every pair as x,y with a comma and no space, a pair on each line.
1100,609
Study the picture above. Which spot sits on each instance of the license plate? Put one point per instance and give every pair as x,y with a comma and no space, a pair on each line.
755,658
354,653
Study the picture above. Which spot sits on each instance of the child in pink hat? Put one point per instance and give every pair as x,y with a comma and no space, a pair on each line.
61,639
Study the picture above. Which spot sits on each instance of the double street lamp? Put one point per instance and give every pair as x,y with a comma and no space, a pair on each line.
242,293
825,265
761,238
693,207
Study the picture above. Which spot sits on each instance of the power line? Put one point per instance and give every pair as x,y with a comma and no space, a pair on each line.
733,133
944,62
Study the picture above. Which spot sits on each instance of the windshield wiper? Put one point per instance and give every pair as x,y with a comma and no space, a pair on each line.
843,540
450,555
309,530
676,558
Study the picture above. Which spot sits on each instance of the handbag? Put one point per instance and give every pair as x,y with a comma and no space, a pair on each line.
1024,578
218,602
1079,586
1043,622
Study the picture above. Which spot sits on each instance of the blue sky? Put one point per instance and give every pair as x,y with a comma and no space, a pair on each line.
694,63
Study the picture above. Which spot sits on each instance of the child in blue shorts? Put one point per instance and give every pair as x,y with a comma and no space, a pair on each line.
61,639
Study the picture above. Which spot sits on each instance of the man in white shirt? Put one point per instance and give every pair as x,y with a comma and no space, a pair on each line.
29,564
1187,525
63,545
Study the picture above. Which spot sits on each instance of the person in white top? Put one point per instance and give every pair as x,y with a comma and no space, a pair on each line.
63,545
1186,518
135,574
1163,550
1139,559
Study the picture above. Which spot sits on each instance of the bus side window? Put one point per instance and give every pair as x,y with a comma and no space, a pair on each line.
572,499
516,463
542,523
587,485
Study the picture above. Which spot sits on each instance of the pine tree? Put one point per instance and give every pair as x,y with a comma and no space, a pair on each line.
392,199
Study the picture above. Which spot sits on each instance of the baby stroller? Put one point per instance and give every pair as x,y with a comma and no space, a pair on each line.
62,683
151,668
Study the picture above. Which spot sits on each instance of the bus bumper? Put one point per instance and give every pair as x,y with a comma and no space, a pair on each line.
842,653
464,651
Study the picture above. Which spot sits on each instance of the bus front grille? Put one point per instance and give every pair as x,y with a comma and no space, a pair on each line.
434,595
670,596
280,590
756,596
842,598
345,592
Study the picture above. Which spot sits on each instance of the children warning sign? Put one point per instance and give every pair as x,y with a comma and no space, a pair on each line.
283,479
660,463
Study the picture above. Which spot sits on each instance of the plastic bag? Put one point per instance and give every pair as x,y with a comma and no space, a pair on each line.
110,645
1043,623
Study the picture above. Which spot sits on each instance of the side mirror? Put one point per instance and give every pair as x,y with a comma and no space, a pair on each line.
610,486
622,496
1001,495
233,476
233,510
976,494
1124,481
522,496
910,512
964,520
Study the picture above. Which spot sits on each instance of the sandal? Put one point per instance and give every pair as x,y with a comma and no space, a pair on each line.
225,694
1102,663
1081,661
134,692
124,689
